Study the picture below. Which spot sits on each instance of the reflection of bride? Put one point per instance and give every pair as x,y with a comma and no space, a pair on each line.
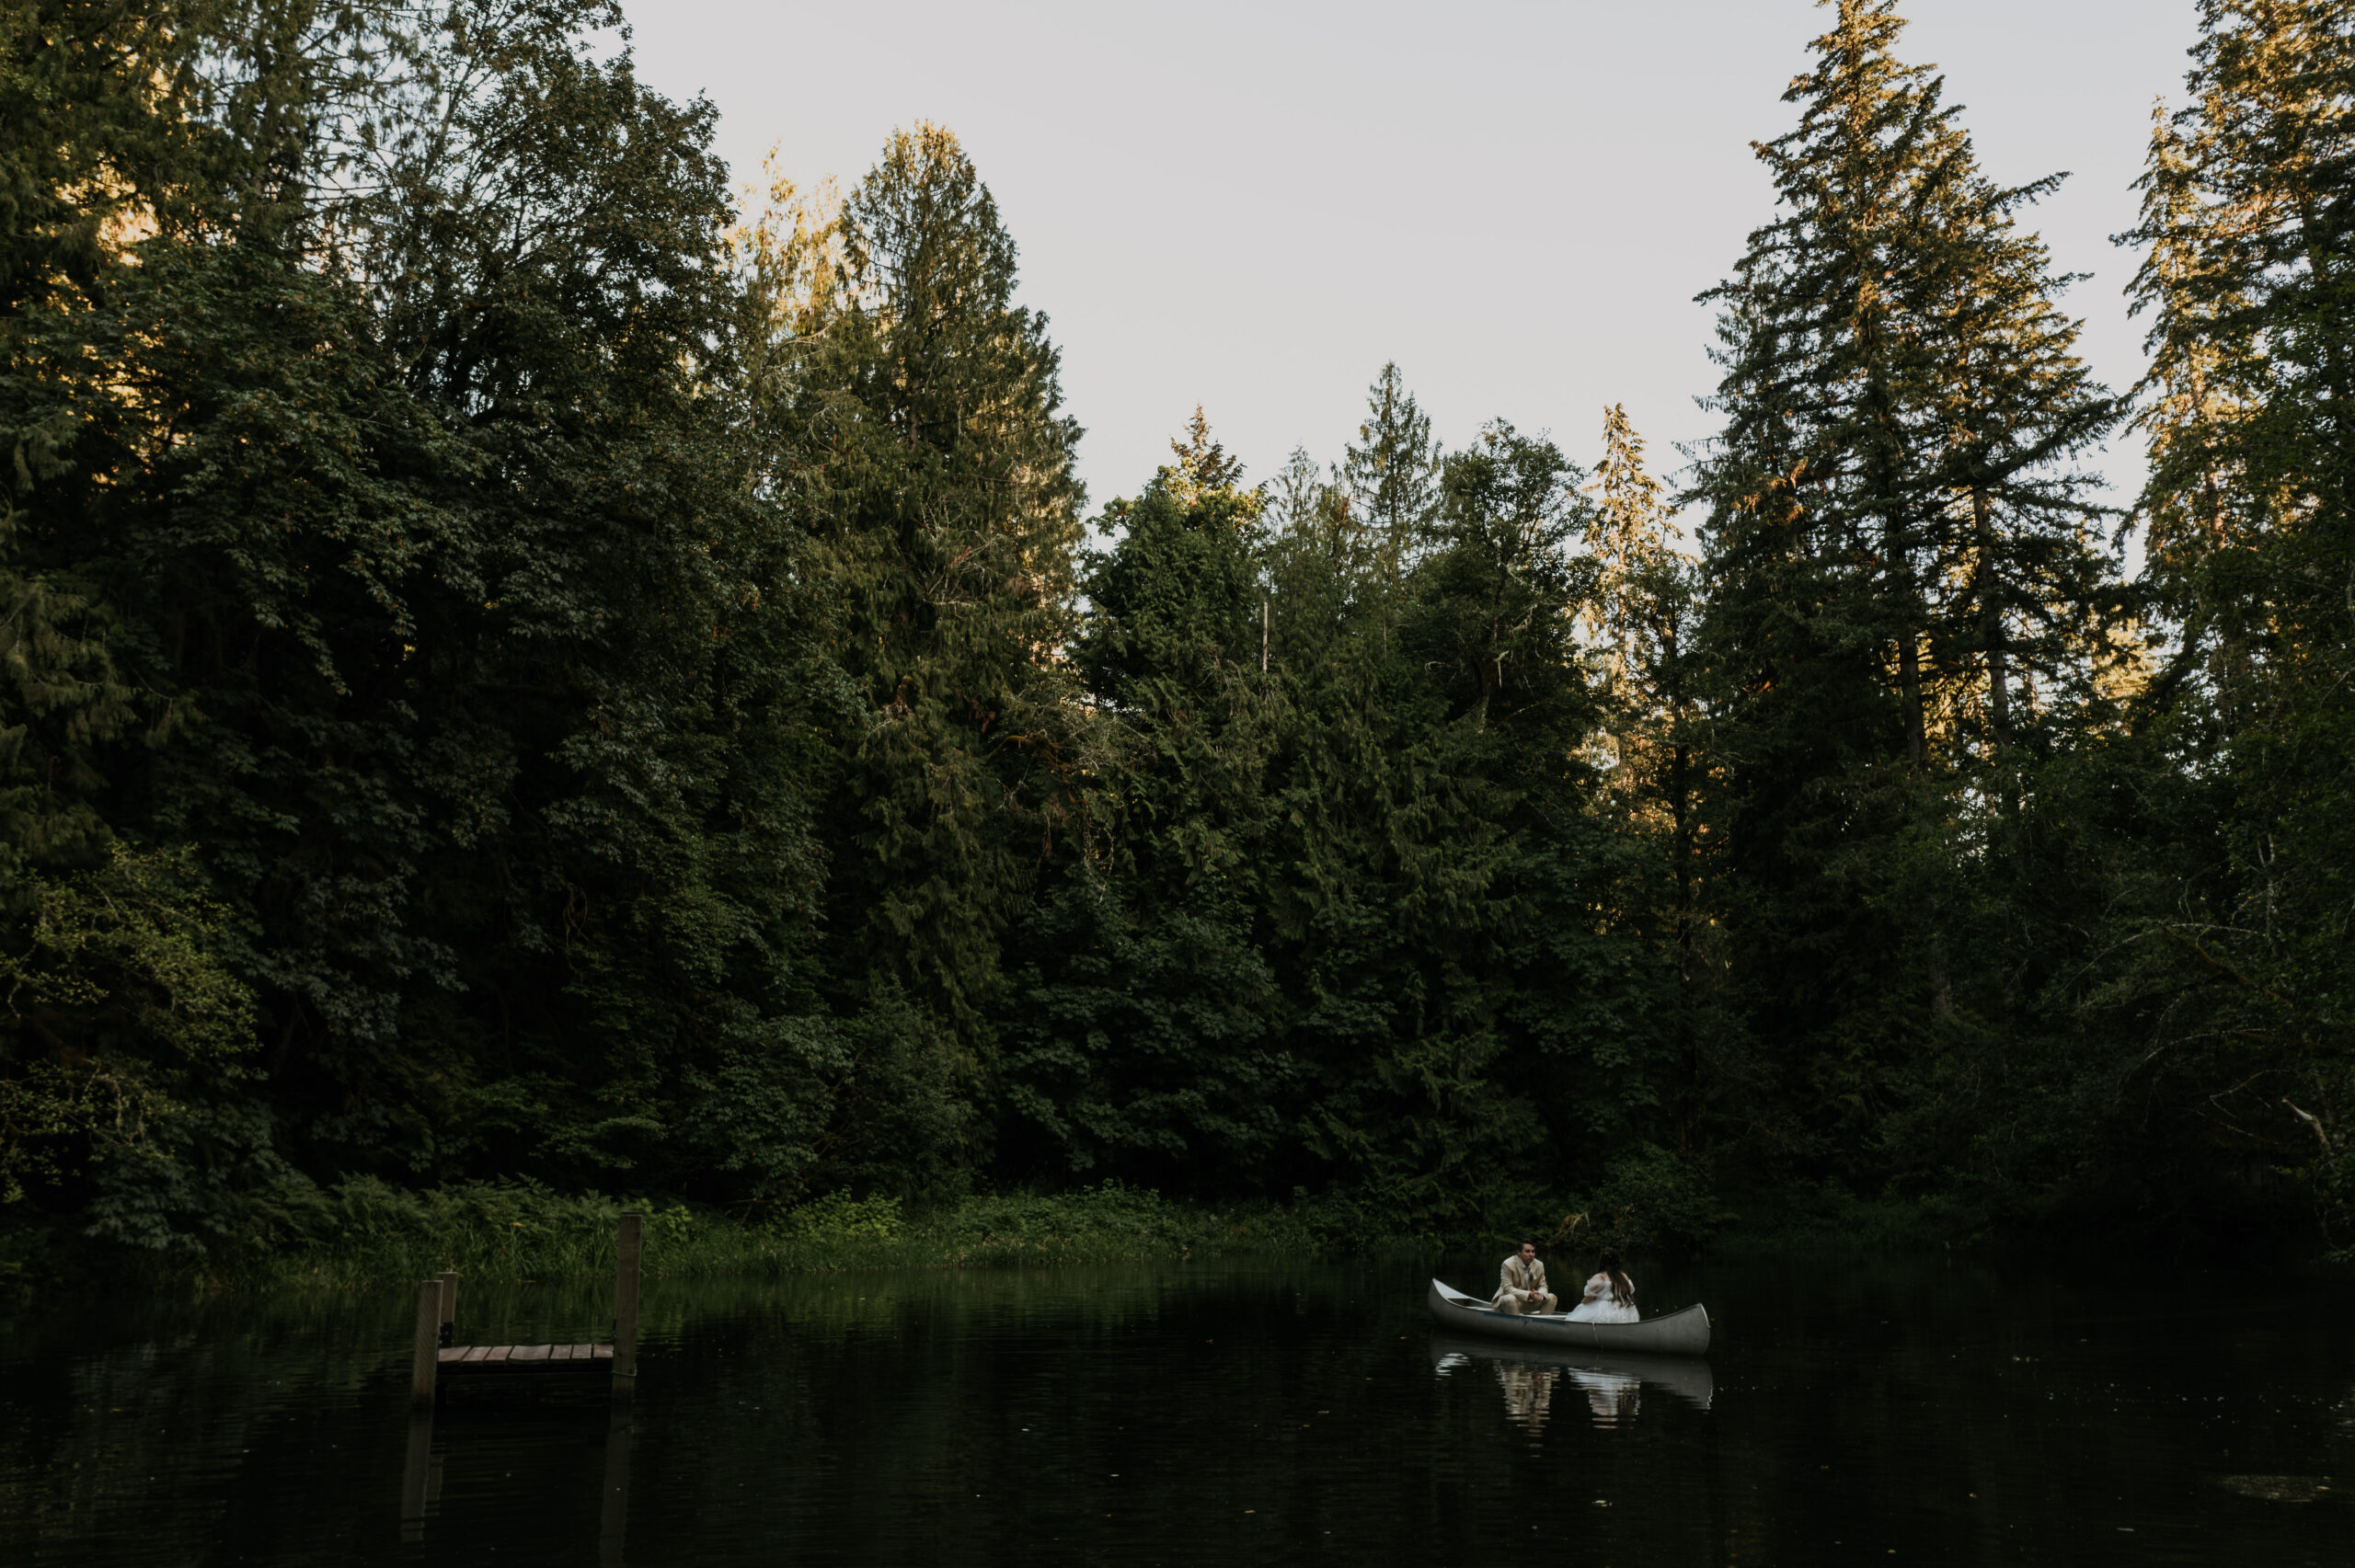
1613,1397
1609,1295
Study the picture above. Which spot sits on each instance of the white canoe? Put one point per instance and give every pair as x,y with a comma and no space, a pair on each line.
1684,1333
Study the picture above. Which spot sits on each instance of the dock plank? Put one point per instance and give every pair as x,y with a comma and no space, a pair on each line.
454,1359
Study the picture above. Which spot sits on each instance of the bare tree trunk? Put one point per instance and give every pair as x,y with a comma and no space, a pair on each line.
1909,675
1991,610
1680,806
1909,653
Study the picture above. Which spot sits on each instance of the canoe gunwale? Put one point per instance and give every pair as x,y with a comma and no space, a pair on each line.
1681,1332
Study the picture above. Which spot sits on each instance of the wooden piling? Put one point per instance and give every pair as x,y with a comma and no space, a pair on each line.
632,1249
417,1475
426,1360
613,1515
449,1282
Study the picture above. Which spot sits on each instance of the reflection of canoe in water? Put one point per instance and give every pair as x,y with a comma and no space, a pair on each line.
1687,1377
1684,1333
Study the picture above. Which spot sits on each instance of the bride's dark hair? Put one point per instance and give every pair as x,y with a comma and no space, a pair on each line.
1622,1289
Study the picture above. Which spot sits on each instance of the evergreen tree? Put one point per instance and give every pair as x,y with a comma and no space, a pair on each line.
1888,511
2018,406
1142,1036
1644,614
2250,277
948,516
1390,474
2201,385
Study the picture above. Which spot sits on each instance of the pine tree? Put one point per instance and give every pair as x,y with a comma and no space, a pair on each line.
1496,588
948,516
2016,405
1390,474
2194,508
1891,514
1626,536
2250,277
1143,1035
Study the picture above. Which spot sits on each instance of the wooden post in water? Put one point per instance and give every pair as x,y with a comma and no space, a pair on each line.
632,1249
449,1282
425,1364
417,1475
612,1516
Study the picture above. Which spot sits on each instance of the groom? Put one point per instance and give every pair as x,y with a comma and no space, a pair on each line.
1520,1283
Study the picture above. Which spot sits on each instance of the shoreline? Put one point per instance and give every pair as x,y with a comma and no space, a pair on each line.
366,1234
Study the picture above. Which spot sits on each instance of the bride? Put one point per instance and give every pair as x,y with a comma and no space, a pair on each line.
1609,1295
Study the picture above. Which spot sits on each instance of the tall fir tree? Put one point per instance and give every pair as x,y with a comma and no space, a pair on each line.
1644,616
2249,278
1145,1040
948,514
1390,474
1892,524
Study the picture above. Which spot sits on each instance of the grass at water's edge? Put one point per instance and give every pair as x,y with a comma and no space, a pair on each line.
364,1233
372,1235
842,1234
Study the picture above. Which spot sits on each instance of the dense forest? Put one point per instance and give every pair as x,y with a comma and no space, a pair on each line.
514,664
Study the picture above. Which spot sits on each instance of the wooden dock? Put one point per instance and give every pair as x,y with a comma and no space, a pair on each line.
458,1360
436,1356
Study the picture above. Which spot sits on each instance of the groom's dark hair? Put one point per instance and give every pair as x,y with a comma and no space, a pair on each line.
1529,1242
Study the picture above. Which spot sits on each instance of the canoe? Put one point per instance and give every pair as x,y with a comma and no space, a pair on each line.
1683,1333
1687,1377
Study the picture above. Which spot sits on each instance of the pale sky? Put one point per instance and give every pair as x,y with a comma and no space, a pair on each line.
1252,206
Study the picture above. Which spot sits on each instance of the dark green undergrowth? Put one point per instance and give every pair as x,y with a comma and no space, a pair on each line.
364,1231
1808,1217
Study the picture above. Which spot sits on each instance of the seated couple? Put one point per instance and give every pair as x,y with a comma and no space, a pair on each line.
1609,1295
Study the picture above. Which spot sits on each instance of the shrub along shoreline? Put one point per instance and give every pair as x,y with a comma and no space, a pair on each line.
523,1232
363,1232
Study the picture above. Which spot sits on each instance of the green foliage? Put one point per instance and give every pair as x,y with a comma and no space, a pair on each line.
1651,1198
1908,618
366,1231
516,684
127,953
838,1216
2237,978
414,590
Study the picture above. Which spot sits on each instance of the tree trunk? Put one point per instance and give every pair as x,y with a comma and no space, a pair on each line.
1999,695
1909,675
1688,1099
1909,653
1680,806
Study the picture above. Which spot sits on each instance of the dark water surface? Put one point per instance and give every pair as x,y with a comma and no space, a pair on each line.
1216,1412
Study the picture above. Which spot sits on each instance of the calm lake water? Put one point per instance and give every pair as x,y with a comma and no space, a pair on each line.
1213,1412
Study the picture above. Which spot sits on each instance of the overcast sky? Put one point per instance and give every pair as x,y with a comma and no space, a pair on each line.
1252,206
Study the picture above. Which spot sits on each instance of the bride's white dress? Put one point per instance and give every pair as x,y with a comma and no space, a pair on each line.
1602,1304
